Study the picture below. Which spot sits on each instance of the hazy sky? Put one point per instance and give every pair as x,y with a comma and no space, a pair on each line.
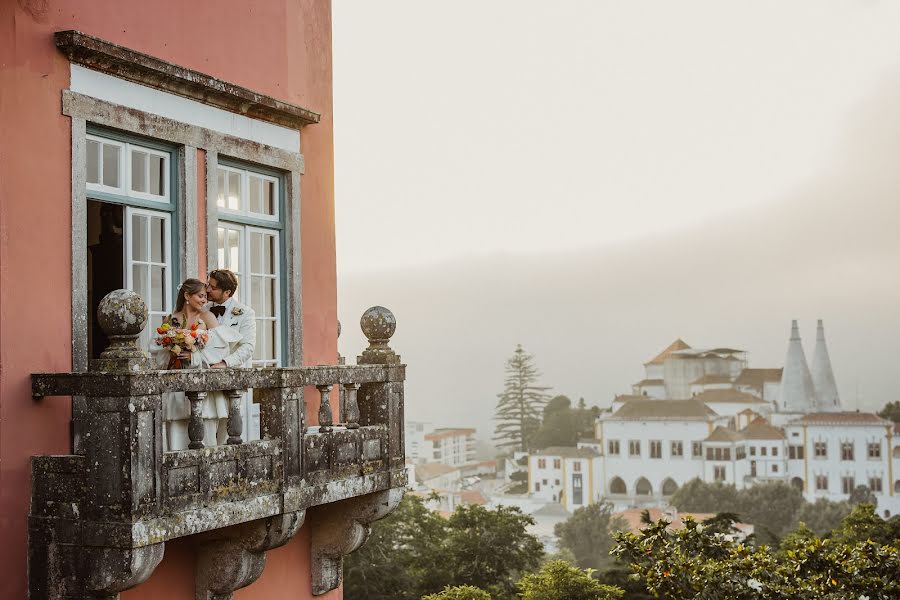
593,179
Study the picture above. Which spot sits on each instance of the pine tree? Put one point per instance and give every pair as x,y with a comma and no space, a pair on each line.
520,406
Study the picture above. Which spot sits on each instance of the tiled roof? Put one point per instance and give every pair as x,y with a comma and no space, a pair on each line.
632,518
649,382
712,379
446,432
660,358
723,434
840,418
644,409
757,377
428,471
472,497
730,395
760,429
566,452
629,397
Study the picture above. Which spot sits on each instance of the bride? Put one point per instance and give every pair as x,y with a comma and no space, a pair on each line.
189,311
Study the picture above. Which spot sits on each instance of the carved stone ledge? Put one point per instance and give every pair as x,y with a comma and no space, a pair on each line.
236,556
340,528
114,570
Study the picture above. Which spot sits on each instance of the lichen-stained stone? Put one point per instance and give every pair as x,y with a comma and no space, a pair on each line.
100,518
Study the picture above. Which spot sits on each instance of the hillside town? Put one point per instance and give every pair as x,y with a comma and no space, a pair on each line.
697,414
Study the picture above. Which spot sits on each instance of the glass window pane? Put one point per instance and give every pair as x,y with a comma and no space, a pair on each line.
269,326
141,281
260,348
220,257
157,240
268,197
233,251
220,179
93,161
111,165
268,302
256,251
157,288
257,295
234,191
138,174
139,238
269,254
157,176
255,194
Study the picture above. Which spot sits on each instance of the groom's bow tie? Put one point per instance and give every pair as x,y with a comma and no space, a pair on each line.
218,310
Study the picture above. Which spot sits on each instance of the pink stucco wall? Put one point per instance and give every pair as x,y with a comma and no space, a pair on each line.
279,47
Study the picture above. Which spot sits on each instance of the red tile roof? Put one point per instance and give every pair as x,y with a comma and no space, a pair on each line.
840,418
660,358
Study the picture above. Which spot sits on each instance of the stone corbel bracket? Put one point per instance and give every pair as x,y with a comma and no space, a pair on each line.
340,528
236,557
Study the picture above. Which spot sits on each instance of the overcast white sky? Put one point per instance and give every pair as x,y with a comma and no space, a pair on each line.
698,169
472,127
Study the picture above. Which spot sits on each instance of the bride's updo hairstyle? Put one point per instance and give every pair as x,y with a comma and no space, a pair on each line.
190,287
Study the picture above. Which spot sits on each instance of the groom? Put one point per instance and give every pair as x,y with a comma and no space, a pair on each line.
220,288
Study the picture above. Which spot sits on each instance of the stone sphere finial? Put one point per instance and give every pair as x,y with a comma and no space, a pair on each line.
122,312
122,315
339,328
378,324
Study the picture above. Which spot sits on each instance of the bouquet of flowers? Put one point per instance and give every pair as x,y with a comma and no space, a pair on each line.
179,340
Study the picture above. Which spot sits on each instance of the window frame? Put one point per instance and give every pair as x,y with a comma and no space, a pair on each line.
132,202
249,223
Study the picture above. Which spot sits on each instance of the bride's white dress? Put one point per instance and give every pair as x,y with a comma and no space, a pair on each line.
177,408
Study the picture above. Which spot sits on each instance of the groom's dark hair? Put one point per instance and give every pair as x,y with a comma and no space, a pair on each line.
225,280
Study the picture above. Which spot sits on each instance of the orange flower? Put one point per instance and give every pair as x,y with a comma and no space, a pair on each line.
167,340
194,327
194,332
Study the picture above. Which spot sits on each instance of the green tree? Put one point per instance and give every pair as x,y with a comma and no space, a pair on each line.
696,563
823,515
588,535
864,524
771,508
891,411
563,424
558,580
861,494
490,549
698,496
402,558
459,592
519,406
413,552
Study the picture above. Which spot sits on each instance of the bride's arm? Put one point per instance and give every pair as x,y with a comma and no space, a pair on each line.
209,319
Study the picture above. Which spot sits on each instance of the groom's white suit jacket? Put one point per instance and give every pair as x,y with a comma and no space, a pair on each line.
241,346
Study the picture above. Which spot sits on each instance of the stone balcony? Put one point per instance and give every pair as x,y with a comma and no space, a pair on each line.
101,516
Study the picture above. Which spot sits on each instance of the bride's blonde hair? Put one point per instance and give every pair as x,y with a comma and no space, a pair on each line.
190,287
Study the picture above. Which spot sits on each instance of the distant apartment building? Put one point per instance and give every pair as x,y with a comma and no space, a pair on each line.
416,448
451,446
736,425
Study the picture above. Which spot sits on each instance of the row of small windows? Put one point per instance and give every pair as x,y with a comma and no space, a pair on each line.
795,452
557,464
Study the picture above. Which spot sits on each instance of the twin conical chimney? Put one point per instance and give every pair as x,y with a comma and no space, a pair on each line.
797,391
827,399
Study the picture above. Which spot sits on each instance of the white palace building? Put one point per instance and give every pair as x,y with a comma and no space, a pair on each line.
705,413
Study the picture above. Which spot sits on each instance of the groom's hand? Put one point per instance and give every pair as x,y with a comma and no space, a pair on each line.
219,365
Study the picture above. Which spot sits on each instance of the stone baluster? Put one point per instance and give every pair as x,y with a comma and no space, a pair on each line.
196,430
235,422
351,407
325,418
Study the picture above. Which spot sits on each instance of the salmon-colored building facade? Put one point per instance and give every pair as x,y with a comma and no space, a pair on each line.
142,143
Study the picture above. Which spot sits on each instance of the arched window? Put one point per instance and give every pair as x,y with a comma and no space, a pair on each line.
897,487
896,451
669,487
643,487
797,483
617,486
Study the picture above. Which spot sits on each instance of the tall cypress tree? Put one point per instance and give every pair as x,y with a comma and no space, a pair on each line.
520,406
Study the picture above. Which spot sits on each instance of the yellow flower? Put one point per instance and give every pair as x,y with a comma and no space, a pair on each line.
176,349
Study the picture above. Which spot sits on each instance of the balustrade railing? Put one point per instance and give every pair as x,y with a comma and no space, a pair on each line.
122,490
